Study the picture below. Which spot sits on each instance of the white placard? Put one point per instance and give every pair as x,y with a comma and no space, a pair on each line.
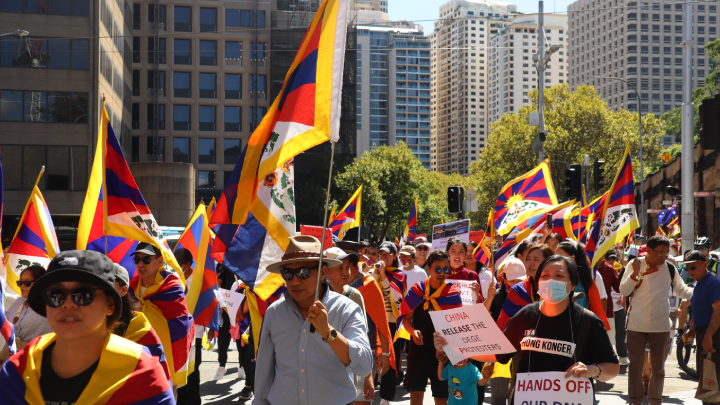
443,232
616,296
469,297
470,331
552,388
230,300
673,299
222,295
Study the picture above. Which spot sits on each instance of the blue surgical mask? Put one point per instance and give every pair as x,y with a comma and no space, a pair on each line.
553,291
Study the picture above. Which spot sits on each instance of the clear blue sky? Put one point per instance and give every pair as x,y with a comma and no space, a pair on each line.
424,12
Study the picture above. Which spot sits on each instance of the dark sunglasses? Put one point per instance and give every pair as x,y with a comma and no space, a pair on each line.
422,248
303,273
21,283
82,296
439,270
704,248
144,259
691,267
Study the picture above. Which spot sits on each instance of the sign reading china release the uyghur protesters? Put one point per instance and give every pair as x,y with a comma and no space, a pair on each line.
552,388
470,331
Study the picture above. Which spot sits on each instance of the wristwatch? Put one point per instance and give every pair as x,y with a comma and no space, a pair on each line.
386,354
331,337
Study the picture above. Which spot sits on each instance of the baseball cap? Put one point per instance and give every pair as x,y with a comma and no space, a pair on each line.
84,266
146,248
338,254
422,241
514,269
611,254
694,256
389,247
408,250
121,274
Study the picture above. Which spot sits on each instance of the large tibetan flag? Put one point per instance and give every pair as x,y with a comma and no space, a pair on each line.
588,216
165,307
35,241
348,217
306,112
447,296
484,252
125,213
523,197
211,208
201,300
264,236
674,227
126,374
668,215
566,221
619,216
411,227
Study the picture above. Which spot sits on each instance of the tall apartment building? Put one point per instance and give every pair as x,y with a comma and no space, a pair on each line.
202,85
372,5
512,73
51,86
639,42
393,78
459,102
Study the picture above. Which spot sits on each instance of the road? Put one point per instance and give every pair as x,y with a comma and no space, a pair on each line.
679,388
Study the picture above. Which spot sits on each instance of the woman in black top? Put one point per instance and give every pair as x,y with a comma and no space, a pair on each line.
558,318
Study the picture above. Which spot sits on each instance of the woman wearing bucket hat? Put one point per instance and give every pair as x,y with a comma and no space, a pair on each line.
81,362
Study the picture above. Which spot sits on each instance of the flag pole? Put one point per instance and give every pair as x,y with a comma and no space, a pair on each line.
101,117
325,220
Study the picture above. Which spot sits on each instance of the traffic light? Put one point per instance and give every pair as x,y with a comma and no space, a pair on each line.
455,197
599,171
574,182
710,122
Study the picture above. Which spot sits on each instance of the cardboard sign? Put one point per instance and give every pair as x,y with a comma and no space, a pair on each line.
443,232
316,231
551,388
470,331
469,297
231,301
477,236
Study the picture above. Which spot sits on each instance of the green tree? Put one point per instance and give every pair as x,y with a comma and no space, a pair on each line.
578,123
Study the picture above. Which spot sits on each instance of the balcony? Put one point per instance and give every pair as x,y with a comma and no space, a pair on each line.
233,61
258,62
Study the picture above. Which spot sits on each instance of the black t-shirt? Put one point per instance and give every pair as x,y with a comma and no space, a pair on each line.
547,342
421,321
62,391
498,302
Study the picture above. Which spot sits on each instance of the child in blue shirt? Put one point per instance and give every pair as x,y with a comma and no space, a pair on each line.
462,379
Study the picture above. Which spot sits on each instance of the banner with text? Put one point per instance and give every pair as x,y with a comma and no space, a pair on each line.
316,231
470,331
442,232
552,388
469,297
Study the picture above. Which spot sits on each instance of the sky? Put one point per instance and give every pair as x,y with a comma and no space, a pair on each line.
425,12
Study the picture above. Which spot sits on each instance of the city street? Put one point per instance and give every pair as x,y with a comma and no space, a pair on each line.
679,388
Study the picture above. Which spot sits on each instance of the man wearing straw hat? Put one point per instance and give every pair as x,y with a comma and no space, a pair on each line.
295,365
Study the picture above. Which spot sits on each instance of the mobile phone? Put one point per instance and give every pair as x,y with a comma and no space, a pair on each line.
549,220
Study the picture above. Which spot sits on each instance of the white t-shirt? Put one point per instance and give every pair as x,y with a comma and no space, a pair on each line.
414,275
600,285
486,278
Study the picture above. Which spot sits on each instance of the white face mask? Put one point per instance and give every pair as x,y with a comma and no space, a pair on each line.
553,291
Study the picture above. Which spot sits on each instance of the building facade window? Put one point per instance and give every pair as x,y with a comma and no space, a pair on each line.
183,52
162,54
43,106
208,53
208,19
233,86
182,84
181,150
55,7
151,116
208,85
233,119
206,179
181,117
232,150
206,151
207,118
161,146
183,19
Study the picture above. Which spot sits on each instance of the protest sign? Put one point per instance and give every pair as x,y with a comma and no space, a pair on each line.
469,297
230,300
476,236
443,232
316,231
551,388
470,331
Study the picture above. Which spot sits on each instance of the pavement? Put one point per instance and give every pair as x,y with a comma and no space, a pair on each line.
679,387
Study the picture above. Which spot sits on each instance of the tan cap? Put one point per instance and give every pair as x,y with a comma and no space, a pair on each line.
407,250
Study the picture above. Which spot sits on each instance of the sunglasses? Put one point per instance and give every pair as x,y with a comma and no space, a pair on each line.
144,259
439,270
24,283
422,248
703,248
82,296
689,267
303,273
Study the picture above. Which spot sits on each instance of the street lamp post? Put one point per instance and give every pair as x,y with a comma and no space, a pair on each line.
541,58
17,33
642,170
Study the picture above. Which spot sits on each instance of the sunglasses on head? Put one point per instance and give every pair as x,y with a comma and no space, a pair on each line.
439,270
144,259
82,296
21,283
303,273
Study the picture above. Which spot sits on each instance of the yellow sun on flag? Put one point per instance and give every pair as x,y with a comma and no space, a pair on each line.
514,199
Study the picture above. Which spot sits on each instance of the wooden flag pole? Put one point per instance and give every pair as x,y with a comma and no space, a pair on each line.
325,220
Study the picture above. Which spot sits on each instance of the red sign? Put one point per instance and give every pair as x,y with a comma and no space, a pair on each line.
316,231
704,194
477,236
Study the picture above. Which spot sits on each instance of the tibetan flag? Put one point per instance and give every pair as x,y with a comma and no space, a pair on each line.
125,212
411,227
375,309
306,112
263,237
565,222
126,374
201,299
348,217
257,308
484,252
519,296
588,216
619,216
211,207
447,296
35,241
141,332
674,227
660,231
668,215
522,197
540,224
165,307
7,330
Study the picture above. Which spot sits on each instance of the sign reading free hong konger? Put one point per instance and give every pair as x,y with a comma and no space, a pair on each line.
470,331
552,388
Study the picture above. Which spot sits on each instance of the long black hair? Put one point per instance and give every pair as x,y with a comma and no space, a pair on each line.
571,268
576,249
126,316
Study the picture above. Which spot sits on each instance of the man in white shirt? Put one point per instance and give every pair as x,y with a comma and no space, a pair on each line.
648,279
413,272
